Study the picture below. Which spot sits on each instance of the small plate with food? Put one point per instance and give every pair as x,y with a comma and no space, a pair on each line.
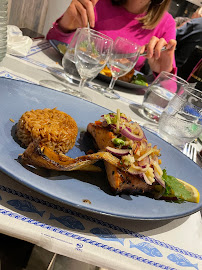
59,46
132,174
133,79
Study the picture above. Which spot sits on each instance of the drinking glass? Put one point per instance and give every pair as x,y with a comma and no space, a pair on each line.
123,58
68,61
181,120
92,52
159,93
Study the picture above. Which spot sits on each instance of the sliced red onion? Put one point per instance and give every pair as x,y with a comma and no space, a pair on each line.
159,179
129,129
124,118
125,132
113,126
144,162
104,123
117,151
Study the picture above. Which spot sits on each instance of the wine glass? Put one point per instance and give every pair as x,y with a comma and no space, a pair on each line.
91,54
68,61
70,78
123,58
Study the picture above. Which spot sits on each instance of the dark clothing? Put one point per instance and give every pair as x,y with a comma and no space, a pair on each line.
180,20
188,36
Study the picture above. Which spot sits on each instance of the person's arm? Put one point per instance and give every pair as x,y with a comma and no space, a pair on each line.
163,61
78,14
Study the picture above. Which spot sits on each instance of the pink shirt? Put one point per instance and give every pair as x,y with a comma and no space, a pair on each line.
115,21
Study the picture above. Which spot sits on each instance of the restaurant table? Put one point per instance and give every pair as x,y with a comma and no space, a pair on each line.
132,244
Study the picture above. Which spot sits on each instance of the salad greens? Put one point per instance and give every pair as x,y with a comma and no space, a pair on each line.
85,44
174,188
62,48
139,79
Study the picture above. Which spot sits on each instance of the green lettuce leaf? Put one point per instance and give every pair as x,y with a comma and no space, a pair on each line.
174,187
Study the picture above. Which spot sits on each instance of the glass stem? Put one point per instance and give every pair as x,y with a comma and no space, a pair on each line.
112,83
81,85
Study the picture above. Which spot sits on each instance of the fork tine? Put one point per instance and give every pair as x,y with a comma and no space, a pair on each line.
185,150
190,151
194,153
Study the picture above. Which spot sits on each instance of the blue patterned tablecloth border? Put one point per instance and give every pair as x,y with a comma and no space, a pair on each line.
85,240
90,219
38,48
11,75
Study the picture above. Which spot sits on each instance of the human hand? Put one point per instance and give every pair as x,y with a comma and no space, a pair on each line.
78,14
157,59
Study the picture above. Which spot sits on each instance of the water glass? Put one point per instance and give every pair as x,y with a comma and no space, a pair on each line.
3,28
159,93
68,60
181,120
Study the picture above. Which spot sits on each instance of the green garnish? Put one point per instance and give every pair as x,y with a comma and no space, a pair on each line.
62,48
85,44
174,187
118,142
139,79
110,118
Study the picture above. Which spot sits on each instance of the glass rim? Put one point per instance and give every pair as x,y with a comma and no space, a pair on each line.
170,75
129,41
187,87
97,33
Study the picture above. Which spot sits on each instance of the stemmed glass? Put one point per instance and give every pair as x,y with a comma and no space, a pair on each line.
91,54
68,61
123,58
70,78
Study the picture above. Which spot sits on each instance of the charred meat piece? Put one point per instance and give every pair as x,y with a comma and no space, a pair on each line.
119,180
40,155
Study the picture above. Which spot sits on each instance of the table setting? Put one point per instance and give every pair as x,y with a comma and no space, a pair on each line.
74,213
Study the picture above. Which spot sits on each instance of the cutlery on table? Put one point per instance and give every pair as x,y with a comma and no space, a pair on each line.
190,151
135,54
52,262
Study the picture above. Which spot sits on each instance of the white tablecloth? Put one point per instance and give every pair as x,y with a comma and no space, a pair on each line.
97,239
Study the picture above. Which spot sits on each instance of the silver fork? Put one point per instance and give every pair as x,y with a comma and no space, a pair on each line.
190,151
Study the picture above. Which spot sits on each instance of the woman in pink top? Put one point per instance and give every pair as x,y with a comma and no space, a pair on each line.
145,22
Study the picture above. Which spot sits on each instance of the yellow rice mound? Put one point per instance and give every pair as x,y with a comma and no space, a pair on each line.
57,130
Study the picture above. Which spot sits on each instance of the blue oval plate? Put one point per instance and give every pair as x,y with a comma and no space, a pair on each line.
72,188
